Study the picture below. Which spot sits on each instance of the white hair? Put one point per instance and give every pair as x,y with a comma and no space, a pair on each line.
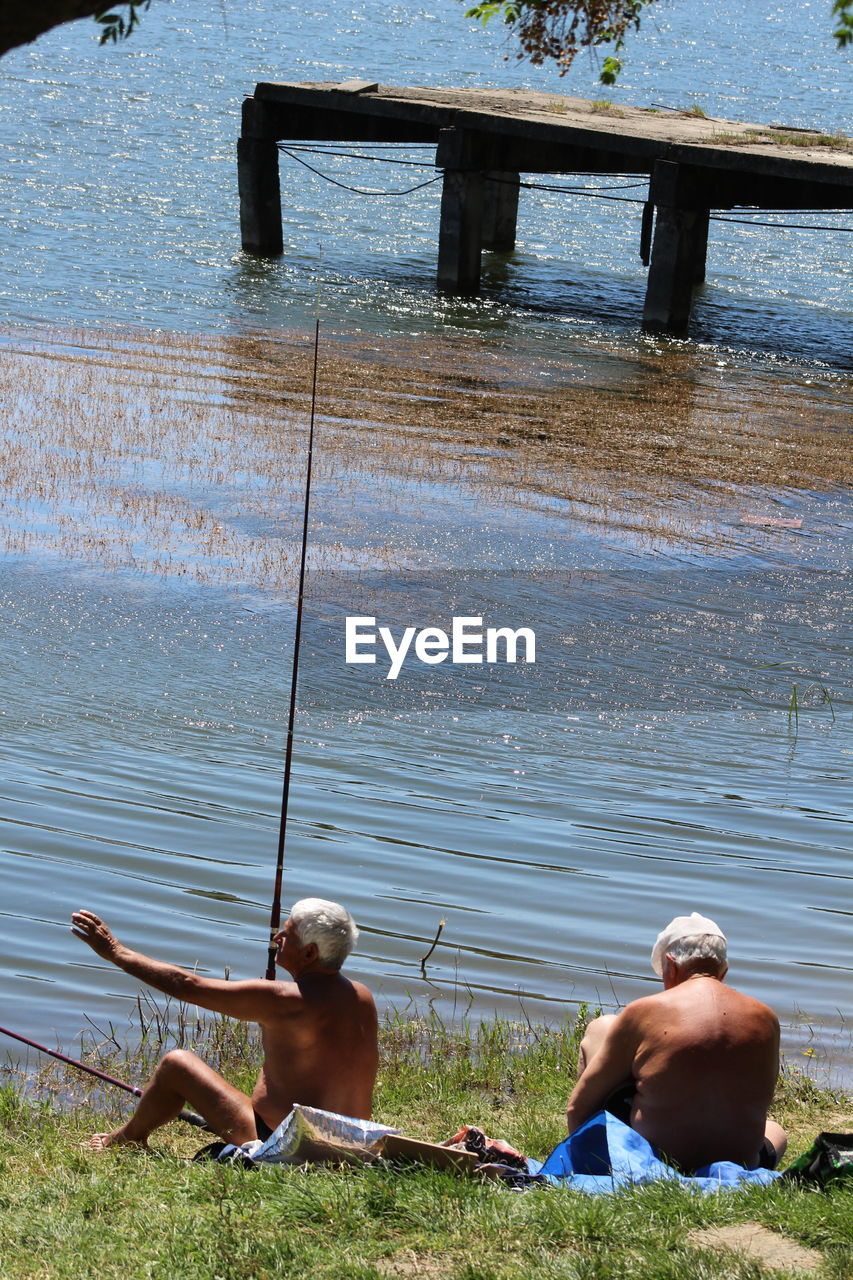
328,925
699,946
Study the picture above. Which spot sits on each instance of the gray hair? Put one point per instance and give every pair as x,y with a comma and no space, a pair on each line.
328,925
699,946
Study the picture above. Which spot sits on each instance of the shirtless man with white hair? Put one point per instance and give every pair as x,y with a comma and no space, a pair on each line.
319,1032
696,1063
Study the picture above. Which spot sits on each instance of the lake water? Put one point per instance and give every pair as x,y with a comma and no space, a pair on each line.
554,816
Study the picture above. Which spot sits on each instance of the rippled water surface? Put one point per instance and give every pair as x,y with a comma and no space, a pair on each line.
683,740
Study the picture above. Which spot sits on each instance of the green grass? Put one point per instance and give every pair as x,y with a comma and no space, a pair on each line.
804,138
603,106
67,1213
781,138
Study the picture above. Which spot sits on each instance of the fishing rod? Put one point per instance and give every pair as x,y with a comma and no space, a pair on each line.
190,1117
275,913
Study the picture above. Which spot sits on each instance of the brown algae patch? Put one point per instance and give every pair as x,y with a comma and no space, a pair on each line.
183,455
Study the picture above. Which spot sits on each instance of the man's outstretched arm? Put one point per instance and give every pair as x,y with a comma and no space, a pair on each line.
253,1001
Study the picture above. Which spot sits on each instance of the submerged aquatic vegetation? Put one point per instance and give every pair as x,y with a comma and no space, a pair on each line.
183,456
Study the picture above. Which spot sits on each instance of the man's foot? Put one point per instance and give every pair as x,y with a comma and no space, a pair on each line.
118,1138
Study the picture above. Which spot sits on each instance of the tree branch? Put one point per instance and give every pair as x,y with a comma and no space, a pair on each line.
23,22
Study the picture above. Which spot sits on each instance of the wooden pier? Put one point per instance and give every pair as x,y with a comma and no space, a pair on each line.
485,139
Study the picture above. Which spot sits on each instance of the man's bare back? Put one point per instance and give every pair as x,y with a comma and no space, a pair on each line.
703,1049
319,1032
321,1052
704,1059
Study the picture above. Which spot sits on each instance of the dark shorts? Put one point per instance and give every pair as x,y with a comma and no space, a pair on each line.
619,1102
768,1156
262,1129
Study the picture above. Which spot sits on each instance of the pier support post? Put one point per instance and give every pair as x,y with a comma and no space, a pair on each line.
460,232
258,181
500,210
700,247
678,249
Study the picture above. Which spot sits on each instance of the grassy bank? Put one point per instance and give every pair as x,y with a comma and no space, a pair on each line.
66,1212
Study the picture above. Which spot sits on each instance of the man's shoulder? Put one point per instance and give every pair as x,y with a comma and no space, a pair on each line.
363,993
644,1007
285,997
681,999
644,1017
627,1026
752,1005
357,1001
329,990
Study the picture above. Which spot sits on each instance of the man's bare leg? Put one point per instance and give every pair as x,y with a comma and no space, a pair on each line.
181,1077
593,1039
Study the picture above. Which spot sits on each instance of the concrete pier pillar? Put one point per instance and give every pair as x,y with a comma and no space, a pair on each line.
678,248
500,210
460,231
258,182
700,247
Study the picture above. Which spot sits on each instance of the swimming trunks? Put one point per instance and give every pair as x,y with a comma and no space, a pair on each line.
262,1129
768,1156
619,1102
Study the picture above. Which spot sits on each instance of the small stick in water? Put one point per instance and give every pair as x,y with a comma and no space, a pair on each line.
424,959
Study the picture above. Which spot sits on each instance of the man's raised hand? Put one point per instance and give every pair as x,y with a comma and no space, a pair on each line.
92,930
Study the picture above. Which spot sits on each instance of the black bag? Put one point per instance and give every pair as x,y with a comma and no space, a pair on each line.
828,1159
214,1151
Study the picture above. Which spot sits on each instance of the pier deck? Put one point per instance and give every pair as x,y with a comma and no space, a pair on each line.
486,138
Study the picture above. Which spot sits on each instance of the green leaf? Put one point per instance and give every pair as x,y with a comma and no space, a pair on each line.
610,69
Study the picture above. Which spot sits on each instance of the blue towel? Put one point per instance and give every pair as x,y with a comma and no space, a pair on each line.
605,1154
